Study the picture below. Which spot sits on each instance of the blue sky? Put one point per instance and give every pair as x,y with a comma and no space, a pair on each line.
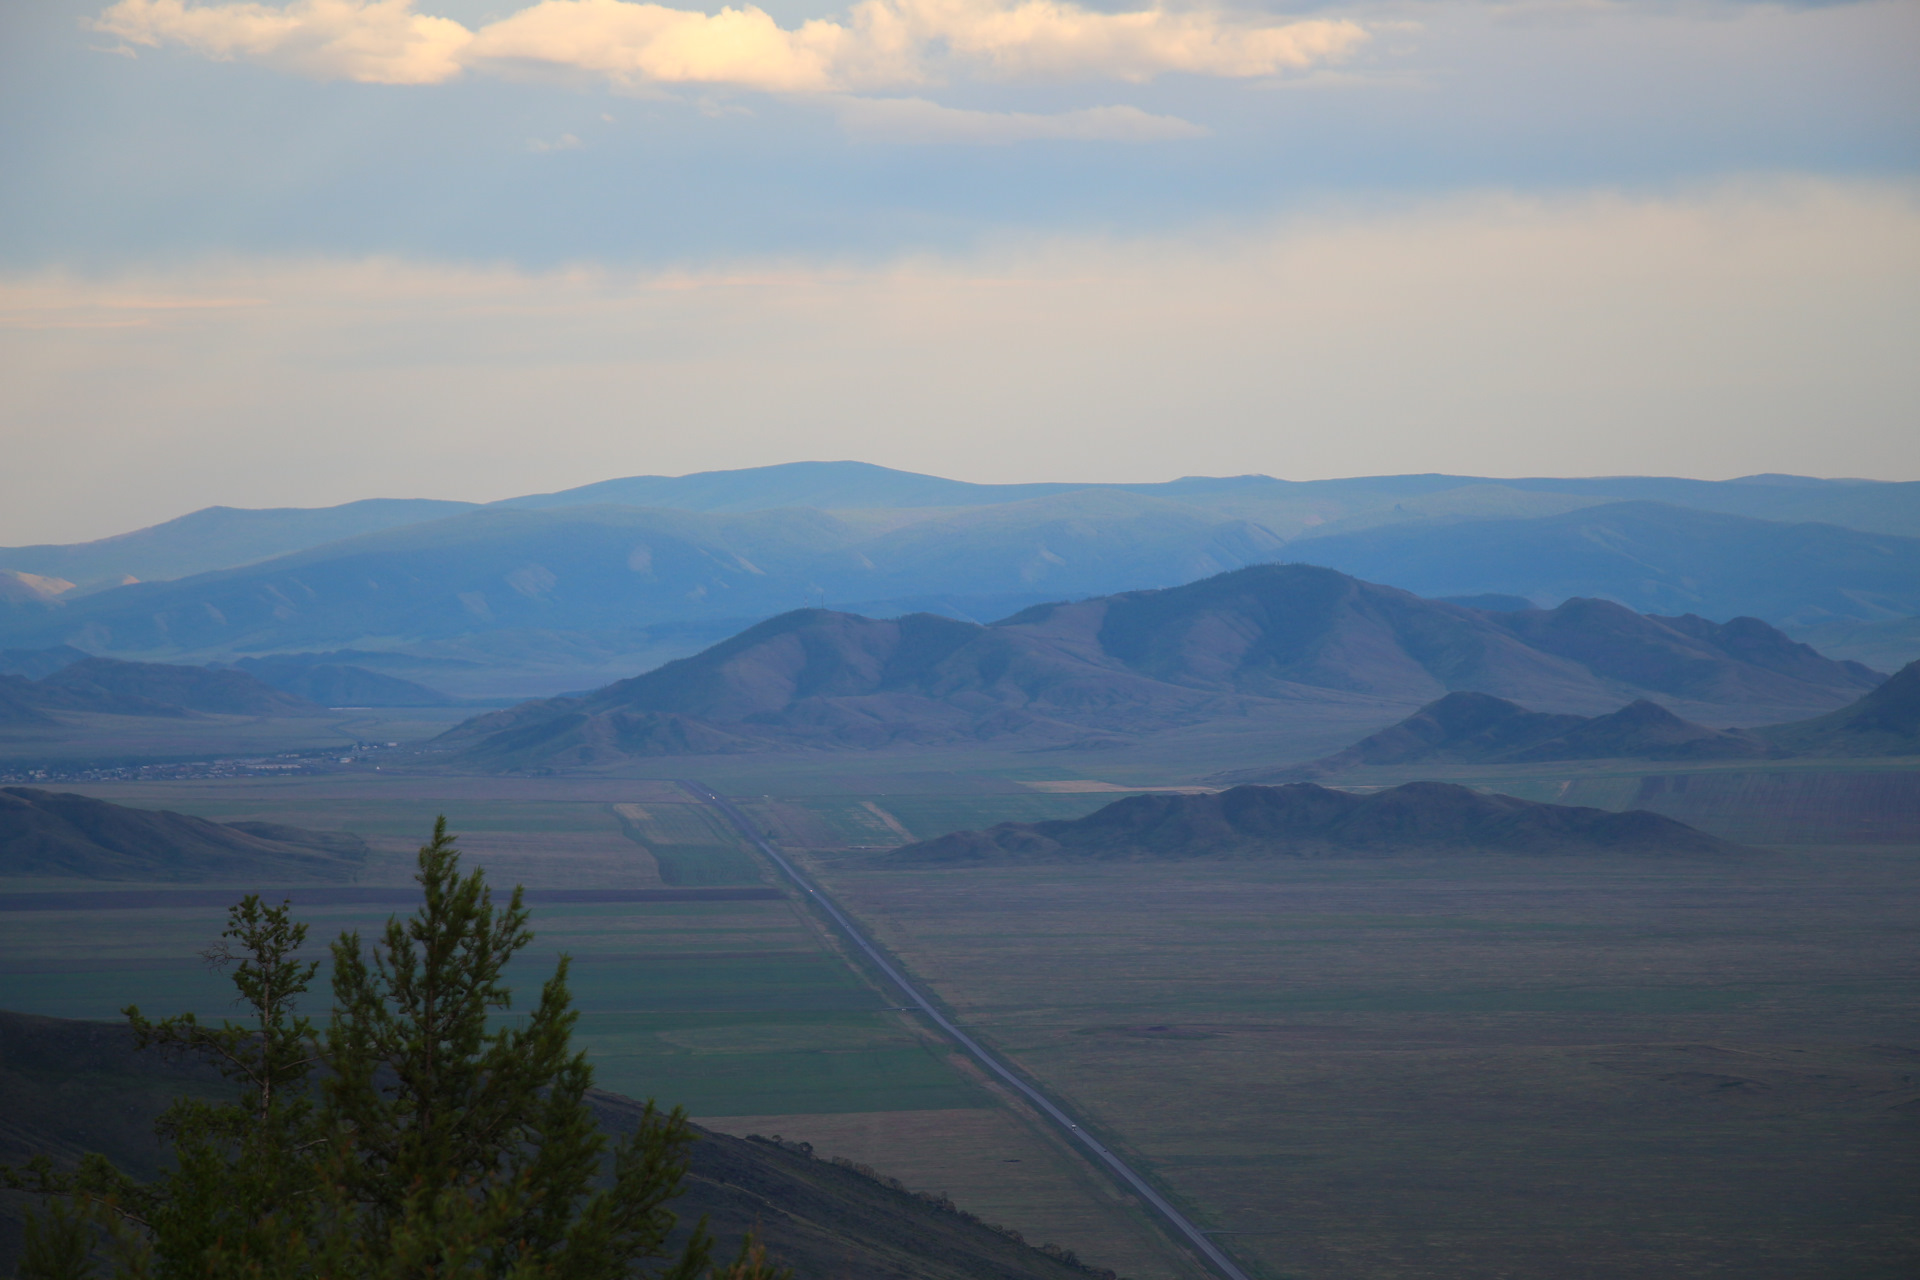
249,253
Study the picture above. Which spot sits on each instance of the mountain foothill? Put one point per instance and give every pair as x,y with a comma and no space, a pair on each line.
1303,820
50,833
1477,728
108,686
1257,642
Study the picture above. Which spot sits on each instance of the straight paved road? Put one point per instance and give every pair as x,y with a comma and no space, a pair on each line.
1205,1247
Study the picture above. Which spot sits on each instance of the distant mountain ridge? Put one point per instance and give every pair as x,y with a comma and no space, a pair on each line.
49,833
960,528
1242,643
338,684
1885,722
1477,728
1302,820
111,687
1653,557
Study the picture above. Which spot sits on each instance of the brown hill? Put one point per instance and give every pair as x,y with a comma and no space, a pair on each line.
1886,722
1247,643
48,833
1304,820
112,687
1477,728
69,1087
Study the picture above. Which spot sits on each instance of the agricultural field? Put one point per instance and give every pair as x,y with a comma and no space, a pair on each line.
740,1007
1440,1068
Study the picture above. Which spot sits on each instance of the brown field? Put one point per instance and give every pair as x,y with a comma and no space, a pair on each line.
998,1166
1423,1068
1383,1069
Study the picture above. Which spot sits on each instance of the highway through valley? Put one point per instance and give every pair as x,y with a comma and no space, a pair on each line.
1184,1229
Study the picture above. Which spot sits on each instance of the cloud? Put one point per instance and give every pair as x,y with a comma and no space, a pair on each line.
374,41
881,44
1721,331
918,120
565,142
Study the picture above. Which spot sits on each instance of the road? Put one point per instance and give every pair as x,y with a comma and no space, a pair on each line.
1183,1228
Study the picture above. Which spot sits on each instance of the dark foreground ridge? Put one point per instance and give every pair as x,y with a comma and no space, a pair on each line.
1303,820
57,833
68,1087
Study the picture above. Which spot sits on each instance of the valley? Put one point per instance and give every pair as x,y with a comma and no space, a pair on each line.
1296,1053
1551,936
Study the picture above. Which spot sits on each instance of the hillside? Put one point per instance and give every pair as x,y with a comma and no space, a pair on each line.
1886,722
611,569
1651,556
217,538
1306,821
594,565
161,689
336,684
1244,644
68,1087
48,833
1477,728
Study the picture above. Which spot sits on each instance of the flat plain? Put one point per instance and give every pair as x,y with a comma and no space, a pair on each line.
1383,1068
744,1011
1466,1067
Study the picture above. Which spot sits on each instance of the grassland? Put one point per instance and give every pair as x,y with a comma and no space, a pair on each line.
1424,1068
1388,1069
745,1012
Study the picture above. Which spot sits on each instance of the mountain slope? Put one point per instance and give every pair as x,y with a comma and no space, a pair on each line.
1476,728
1649,556
68,1087
1246,643
607,568
1886,722
334,684
1304,820
158,688
218,538
1873,506
47,833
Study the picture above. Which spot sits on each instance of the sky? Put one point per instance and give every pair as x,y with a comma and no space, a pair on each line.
306,251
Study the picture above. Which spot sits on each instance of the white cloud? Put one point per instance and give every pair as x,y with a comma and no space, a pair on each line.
565,142
376,41
880,44
920,121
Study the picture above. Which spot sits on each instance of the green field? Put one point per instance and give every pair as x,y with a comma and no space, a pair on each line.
1404,1068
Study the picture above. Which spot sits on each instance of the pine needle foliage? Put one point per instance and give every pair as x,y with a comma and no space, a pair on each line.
425,1134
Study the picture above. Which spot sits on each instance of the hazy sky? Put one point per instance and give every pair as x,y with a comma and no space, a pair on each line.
297,253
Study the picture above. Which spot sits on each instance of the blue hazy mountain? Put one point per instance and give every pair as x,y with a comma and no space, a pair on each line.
217,538
1651,556
1266,641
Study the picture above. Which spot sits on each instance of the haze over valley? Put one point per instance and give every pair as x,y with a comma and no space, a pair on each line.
959,640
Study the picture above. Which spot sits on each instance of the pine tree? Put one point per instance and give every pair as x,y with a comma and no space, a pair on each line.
413,1139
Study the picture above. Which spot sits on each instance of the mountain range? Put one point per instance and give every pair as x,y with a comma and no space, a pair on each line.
49,833
1249,643
1654,557
108,686
1477,728
663,565
1304,820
